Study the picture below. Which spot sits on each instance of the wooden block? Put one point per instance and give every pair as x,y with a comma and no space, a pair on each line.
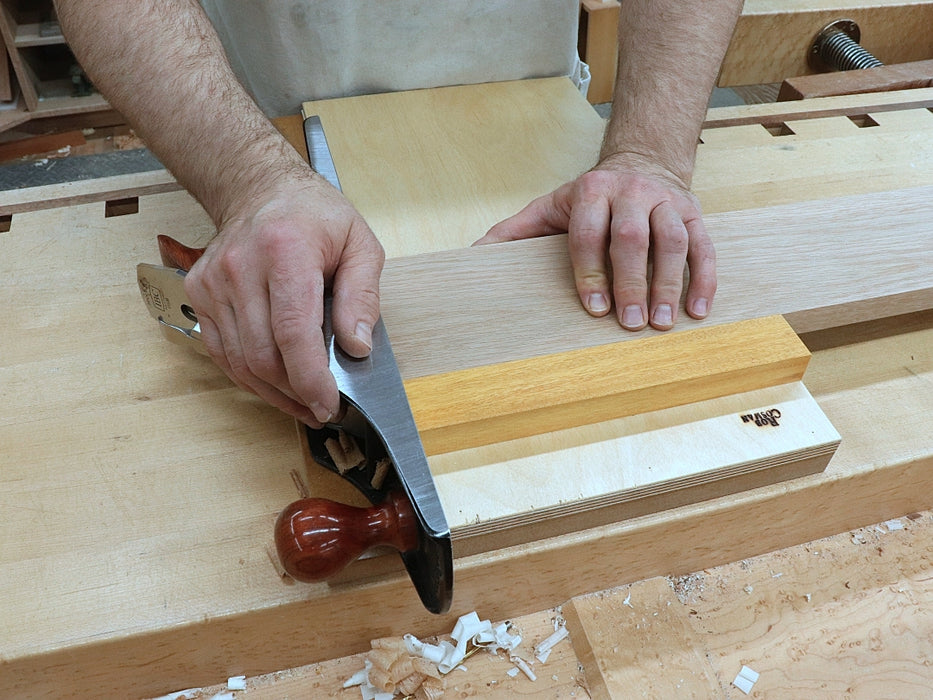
518,492
901,76
772,38
599,46
494,403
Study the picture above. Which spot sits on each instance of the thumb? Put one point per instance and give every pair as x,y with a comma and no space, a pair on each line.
356,296
545,216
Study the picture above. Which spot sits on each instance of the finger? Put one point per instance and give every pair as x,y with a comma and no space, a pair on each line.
210,336
296,303
701,261
356,295
257,344
544,216
628,252
669,253
588,239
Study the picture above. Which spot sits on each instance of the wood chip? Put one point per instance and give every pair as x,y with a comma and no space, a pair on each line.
345,452
380,473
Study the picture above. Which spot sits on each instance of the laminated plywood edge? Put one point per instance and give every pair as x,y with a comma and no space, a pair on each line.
660,461
494,403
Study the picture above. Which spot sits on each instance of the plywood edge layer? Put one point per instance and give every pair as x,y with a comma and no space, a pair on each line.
494,403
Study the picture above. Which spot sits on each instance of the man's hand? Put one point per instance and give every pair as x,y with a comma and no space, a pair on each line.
259,288
629,222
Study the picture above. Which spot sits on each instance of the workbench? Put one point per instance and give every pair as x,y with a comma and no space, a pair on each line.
139,486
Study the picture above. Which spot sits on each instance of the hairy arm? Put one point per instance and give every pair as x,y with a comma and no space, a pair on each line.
284,234
632,221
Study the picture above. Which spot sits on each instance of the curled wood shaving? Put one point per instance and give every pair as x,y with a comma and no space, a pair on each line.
345,452
380,473
431,689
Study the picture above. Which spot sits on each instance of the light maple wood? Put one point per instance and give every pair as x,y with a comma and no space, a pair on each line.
812,158
493,403
440,206
772,37
518,492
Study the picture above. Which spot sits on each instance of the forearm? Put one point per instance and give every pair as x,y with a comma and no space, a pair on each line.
670,52
161,65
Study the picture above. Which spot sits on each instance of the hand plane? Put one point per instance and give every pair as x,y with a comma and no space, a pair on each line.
316,538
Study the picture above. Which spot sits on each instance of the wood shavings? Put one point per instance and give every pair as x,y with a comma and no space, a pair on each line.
236,683
276,562
544,648
181,694
380,473
745,679
416,669
523,666
345,452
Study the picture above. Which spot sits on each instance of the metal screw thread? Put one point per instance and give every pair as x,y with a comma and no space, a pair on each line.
838,50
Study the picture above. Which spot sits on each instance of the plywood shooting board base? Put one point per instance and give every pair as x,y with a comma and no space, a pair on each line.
139,487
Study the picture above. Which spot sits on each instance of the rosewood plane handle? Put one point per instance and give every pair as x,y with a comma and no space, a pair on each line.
178,255
316,538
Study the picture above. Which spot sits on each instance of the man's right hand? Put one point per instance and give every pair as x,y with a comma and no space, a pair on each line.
258,291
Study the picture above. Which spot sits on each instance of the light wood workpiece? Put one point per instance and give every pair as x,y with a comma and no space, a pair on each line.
139,487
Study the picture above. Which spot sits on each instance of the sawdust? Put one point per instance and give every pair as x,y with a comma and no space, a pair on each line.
686,587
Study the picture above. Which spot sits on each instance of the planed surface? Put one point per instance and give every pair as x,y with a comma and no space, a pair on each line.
493,403
773,271
772,37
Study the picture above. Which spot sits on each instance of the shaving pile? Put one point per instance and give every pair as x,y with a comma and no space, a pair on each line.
416,669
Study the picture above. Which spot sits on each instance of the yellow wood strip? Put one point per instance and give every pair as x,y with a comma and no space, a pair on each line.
493,403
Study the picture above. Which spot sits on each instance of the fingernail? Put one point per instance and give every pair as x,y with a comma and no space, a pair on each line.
597,303
364,334
632,317
323,415
663,315
701,307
